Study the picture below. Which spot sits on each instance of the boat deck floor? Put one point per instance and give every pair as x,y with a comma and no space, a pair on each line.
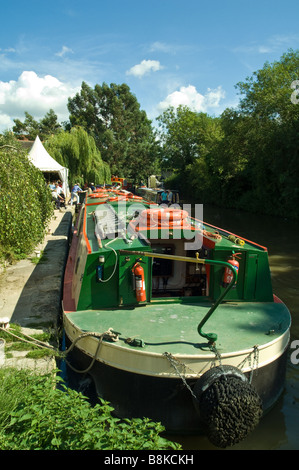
172,327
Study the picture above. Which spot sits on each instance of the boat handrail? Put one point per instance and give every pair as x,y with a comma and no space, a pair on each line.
211,337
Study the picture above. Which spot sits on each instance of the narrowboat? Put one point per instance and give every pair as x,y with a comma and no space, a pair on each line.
172,318
154,195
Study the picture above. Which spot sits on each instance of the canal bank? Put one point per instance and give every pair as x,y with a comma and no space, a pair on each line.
30,290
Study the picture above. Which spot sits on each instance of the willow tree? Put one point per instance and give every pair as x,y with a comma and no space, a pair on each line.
121,130
77,151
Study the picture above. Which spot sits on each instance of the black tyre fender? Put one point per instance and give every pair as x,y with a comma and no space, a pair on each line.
228,406
213,374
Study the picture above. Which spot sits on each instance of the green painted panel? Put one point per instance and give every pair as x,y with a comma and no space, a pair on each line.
263,279
250,276
95,293
127,293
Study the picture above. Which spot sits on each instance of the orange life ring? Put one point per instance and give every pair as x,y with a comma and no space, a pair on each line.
94,196
131,196
117,198
163,216
120,192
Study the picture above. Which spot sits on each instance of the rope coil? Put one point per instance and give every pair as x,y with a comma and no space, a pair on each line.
108,335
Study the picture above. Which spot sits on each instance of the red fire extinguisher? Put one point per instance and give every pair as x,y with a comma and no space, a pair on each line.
139,282
228,275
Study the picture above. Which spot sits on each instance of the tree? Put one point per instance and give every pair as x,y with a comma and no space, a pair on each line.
122,132
262,134
186,136
30,128
49,124
77,151
189,143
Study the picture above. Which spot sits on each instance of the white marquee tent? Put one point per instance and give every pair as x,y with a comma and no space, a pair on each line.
40,158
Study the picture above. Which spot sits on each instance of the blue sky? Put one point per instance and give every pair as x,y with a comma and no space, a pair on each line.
169,52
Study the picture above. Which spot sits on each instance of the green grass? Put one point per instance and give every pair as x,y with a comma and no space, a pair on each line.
17,341
43,258
36,414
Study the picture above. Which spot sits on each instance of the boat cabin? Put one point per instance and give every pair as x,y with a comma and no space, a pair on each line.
114,238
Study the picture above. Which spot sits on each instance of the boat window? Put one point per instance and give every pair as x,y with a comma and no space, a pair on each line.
163,267
196,280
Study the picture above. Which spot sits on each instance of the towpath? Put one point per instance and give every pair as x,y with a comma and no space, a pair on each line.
30,294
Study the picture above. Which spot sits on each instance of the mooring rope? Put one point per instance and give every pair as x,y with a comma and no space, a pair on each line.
113,336
35,341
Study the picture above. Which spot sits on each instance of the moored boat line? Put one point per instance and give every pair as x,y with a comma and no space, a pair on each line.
155,298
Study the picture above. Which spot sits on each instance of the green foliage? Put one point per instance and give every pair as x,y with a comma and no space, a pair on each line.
247,158
25,201
77,151
190,143
37,415
30,128
261,139
187,137
122,132
17,341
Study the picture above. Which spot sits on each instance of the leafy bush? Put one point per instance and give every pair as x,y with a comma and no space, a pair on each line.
36,415
25,201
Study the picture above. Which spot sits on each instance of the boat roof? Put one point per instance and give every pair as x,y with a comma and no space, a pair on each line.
156,190
118,210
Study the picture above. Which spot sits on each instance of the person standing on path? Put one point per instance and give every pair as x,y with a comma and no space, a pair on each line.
76,189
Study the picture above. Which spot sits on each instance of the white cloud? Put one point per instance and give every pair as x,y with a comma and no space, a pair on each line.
65,50
190,97
162,47
33,94
9,49
264,49
5,122
145,66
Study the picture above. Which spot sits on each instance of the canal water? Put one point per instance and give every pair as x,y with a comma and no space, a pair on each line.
279,429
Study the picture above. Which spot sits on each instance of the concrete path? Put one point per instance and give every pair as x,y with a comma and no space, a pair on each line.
30,294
